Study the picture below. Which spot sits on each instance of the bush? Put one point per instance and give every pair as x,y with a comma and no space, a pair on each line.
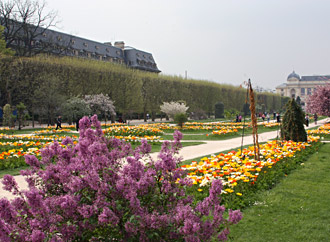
8,119
293,123
180,119
101,190
219,110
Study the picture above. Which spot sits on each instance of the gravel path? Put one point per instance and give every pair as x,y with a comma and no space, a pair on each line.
190,152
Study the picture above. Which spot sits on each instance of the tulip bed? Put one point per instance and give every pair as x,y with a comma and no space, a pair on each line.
12,152
224,131
242,175
140,131
323,131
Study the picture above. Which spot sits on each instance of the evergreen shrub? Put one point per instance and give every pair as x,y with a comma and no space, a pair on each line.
219,110
293,123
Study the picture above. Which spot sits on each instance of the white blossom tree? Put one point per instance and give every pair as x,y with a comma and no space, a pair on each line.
101,104
173,108
75,108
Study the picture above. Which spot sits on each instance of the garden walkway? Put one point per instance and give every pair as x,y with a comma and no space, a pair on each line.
190,152
212,147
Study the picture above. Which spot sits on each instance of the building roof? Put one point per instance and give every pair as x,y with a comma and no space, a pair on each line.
58,42
315,78
294,75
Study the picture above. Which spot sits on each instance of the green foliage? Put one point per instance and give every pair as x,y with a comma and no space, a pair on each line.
53,80
298,100
75,108
20,114
8,119
231,113
3,49
180,119
219,110
246,109
293,123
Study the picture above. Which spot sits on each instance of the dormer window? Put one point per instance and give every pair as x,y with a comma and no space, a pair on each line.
72,41
44,35
59,38
107,50
118,52
85,44
96,47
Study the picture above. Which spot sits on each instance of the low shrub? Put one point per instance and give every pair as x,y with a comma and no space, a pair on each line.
102,190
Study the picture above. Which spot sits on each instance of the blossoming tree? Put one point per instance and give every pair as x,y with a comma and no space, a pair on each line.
100,104
173,108
319,102
102,190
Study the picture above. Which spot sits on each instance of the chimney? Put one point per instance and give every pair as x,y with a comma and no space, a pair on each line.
120,44
107,43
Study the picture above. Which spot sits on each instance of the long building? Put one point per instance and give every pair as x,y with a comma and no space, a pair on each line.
54,42
303,86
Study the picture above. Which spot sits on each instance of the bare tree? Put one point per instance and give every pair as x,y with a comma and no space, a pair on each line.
26,26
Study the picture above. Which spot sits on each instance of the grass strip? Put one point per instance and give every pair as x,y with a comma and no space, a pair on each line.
297,209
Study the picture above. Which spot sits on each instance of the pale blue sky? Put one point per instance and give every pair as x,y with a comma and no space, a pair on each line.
226,41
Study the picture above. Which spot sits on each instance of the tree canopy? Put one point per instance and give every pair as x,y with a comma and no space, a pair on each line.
319,102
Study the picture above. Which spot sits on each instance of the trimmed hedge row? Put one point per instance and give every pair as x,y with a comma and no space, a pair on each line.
132,90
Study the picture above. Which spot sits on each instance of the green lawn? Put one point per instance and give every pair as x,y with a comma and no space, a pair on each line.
297,209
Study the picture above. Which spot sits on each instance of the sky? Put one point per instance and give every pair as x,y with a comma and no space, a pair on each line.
225,41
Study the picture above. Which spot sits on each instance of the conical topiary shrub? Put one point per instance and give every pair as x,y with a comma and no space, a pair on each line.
293,123
219,110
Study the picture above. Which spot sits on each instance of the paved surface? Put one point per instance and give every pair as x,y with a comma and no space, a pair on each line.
190,152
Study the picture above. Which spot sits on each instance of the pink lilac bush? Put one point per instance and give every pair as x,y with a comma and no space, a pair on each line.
100,190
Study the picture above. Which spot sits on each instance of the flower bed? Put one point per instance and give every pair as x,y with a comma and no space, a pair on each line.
225,131
323,130
137,139
51,131
140,131
240,172
270,125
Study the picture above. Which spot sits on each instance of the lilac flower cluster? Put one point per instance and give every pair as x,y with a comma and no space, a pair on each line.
100,190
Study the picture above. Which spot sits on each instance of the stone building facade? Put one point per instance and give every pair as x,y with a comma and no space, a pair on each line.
303,86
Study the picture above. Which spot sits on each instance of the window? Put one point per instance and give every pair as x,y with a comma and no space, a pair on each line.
302,91
309,91
85,44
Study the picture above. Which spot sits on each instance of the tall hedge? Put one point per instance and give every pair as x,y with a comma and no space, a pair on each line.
131,90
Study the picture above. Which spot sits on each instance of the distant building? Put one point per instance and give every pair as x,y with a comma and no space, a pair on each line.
303,86
57,43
